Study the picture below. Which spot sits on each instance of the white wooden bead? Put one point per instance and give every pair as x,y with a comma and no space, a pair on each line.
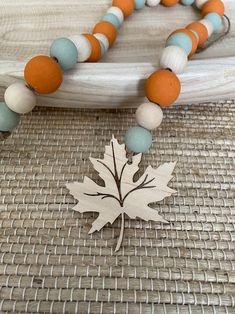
199,3
174,58
20,98
117,12
152,3
103,39
83,46
209,26
196,34
149,115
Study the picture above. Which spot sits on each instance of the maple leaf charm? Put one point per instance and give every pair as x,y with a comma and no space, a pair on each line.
120,194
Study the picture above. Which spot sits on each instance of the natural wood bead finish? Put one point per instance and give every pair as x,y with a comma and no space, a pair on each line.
173,58
149,116
103,39
83,46
20,98
117,12
152,3
199,3
208,25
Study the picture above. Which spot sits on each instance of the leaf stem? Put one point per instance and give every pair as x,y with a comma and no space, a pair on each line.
116,177
121,234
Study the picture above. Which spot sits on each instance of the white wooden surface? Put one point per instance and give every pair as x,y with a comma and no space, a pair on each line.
28,27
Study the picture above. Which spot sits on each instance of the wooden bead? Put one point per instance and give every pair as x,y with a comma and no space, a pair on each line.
163,88
43,74
138,139
152,3
201,30
187,2
149,116
169,3
65,52
95,48
9,119
20,98
213,6
127,6
111,18
139,4
107,29
192,36
216,21
199,3
174,58
104,41
182,40
117,12
208,25
83,46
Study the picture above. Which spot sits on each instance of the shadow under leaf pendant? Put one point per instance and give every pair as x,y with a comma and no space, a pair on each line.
44,75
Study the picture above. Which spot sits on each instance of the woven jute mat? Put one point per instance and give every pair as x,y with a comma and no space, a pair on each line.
49,263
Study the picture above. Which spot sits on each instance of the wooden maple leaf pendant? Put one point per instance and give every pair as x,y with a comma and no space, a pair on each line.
121,195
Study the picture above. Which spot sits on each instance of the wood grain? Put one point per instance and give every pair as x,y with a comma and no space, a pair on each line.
115,85
122,195
29,26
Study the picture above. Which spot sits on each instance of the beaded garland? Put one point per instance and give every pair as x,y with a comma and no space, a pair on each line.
44,74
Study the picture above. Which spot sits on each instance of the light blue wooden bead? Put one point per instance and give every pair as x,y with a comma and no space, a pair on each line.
103,49
187,2
9,119
111,18
215,19
139,4
65,51
182,40
138,139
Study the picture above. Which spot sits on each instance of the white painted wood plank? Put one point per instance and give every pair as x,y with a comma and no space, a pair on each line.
115,85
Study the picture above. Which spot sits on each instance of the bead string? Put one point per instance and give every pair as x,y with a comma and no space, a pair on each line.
43,74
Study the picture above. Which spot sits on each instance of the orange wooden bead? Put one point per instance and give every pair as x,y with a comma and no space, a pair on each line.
169,3
213,6
163,88
127,6
96,48
201,30
107,29
43,74
192,36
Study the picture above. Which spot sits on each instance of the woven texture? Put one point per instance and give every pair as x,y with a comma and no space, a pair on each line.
49,263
